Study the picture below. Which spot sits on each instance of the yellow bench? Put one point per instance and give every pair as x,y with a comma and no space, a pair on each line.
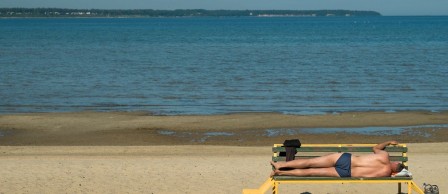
396,153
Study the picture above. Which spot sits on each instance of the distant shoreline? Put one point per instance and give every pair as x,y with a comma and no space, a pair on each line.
137,13
155,17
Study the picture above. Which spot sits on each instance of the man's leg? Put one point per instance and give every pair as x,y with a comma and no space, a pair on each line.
318,172
318,162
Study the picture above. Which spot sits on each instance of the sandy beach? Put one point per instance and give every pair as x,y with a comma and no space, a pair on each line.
92,152
176,169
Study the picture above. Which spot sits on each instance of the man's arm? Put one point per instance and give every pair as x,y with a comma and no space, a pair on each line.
380,147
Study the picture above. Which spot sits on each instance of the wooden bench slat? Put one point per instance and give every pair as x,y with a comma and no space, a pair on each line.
340,149
391,158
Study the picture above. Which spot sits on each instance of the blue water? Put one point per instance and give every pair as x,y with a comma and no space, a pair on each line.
295,65
383,131
354,130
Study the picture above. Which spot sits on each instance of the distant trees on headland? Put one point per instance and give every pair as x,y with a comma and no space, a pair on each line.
58,12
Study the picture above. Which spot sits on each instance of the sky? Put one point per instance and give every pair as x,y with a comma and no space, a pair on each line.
385,7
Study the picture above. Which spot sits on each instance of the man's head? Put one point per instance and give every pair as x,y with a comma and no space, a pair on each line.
396,167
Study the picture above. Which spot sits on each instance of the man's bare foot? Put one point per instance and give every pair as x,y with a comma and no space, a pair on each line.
273,173
275,169
275,165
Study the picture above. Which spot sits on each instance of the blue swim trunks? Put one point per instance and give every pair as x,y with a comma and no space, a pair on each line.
343,165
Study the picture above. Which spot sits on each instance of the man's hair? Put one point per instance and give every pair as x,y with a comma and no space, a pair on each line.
400,167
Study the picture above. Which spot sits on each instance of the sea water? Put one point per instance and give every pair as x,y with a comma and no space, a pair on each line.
216,65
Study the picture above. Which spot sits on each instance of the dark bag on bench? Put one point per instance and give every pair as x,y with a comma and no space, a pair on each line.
292,143
290,147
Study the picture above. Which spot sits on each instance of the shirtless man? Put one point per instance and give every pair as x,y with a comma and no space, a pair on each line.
342,165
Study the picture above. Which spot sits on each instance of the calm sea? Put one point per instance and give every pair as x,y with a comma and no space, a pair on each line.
294,65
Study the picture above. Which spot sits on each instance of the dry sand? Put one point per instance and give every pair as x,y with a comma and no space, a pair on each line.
176,169
126,153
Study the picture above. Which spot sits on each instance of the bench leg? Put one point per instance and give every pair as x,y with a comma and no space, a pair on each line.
411,187
263,188
275,188
414,187
251,191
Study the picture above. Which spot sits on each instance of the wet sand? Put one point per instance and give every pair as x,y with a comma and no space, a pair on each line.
118,152
136,128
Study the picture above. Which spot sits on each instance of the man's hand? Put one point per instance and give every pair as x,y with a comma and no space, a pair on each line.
380,147
393,143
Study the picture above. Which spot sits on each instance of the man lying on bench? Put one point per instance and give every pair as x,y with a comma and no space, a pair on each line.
342,165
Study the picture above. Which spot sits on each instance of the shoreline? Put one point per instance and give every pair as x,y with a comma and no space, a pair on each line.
240,129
